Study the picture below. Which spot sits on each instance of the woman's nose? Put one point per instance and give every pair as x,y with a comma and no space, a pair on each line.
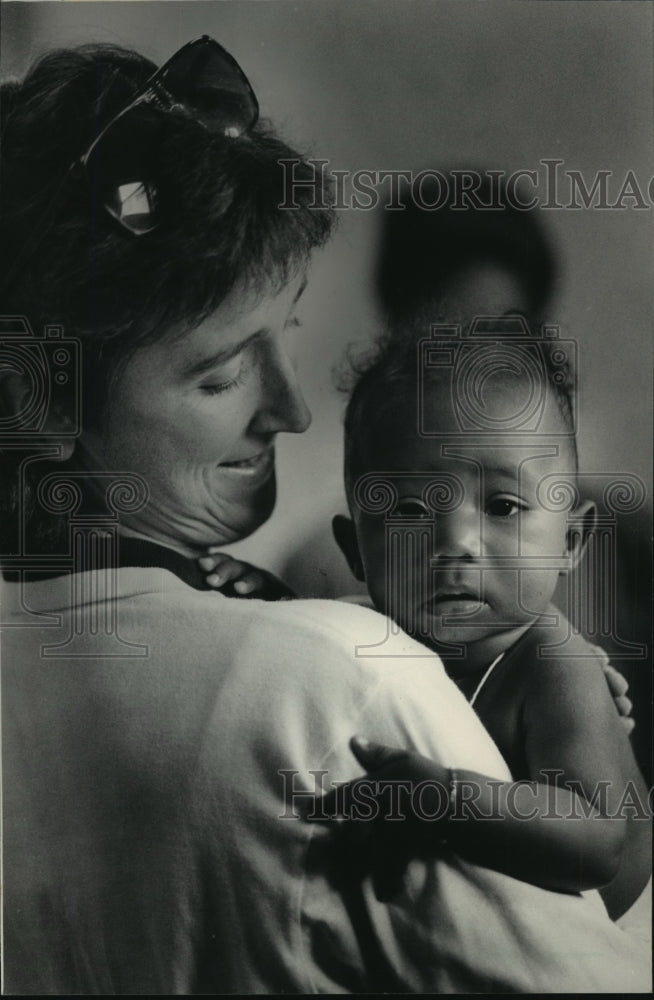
283,407
458,535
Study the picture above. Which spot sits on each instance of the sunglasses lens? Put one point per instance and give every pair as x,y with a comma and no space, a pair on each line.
120,165
133,205
204,78
205,83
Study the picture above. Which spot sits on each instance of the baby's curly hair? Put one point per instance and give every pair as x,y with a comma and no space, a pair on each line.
376,377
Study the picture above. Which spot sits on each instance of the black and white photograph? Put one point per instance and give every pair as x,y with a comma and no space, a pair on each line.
326,496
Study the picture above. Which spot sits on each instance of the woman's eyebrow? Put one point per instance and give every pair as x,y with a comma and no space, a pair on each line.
203,365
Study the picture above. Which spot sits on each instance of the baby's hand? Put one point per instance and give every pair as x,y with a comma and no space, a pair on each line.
239,579
618,687
398,811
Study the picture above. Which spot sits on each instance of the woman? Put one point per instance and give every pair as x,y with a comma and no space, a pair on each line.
190,296
155,738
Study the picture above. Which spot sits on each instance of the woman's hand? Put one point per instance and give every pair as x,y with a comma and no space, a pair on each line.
236,578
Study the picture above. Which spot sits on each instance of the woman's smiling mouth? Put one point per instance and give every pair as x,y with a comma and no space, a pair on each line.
255,467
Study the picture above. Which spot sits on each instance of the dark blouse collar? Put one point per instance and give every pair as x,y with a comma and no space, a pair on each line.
139,552
142,553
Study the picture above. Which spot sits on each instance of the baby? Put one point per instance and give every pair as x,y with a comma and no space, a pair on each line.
458,528
458,534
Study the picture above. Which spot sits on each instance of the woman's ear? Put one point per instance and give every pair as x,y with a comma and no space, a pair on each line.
19,415
346,539
581,525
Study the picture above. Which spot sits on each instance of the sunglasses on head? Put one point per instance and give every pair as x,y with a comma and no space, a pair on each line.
201,81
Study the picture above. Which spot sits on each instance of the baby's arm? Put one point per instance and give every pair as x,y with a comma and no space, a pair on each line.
570,724
557,833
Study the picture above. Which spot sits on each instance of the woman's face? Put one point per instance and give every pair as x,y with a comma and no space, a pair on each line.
196,417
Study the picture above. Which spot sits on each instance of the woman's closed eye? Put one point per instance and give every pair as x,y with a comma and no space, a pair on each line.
234,372
227,378
504,506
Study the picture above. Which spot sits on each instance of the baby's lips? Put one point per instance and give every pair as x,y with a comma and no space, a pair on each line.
456,593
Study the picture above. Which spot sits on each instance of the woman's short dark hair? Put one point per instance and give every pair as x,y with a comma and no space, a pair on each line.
89,275
75,267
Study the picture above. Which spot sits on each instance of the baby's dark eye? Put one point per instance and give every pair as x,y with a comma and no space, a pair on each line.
411,507
503,507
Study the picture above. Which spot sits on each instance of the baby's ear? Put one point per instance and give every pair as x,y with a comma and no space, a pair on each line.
582,521
346,539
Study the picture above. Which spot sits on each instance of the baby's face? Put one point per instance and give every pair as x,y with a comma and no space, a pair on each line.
476,566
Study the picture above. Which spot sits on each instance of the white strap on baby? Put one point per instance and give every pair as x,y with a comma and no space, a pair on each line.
485,678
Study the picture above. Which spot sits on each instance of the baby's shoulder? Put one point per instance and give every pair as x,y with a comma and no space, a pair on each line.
564,675
554,644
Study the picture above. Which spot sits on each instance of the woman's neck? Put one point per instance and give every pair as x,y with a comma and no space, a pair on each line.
179,547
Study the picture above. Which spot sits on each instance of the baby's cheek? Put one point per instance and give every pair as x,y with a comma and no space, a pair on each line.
376,571
544,534
536,588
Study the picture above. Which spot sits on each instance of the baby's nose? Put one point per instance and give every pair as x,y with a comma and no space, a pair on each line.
458,535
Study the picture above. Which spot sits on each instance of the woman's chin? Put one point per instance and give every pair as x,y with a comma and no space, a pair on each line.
242,517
